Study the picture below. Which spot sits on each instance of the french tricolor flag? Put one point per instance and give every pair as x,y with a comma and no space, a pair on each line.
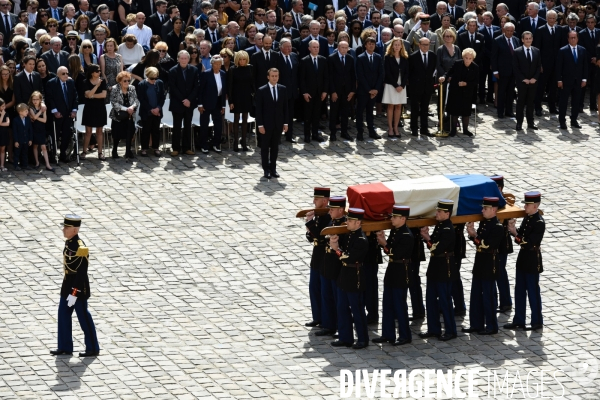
422,195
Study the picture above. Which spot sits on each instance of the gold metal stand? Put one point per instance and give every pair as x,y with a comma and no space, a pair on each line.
441,132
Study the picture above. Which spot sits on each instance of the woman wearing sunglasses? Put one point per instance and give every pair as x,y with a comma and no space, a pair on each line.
94,112
52,28
124,102
151,94
41,19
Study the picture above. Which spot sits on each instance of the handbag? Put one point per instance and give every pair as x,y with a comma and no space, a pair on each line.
122,116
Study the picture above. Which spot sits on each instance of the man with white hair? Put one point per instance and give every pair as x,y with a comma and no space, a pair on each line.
314,28
399,10
503,51
548,41
532,21
61,96
142,32
55,57
436,19
502,10
233,31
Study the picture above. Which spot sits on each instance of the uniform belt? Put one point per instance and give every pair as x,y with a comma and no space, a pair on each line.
487,251
533,248
355,265
399,261
444,255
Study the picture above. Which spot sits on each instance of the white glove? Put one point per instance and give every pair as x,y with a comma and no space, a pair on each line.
71,300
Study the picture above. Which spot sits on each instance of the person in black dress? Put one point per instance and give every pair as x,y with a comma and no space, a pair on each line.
94,111
38,122
240,84
175,37
463,78
4,124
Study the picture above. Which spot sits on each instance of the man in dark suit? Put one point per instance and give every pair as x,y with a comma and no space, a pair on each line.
61,96
211,103
485,73
55,57
285,5
287,23
349,8
172,12
148,7
502,66
263,61
212,32
54,11
84,9
297,43
362,16
29,31
422,65
572,20
27,81
271,119
297,13
532,21
572,68
314,28
183,91
547,40
455,11
369,75
313,81
156,20
342,88
527,64
8,20
258,44
588,38
549,6
473,40
435,21
103,18
288,77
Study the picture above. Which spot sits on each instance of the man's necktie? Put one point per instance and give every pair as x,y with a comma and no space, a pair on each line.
30,80
297,21
214,37
452,12
472,40
57,59
287,61
425,60
533,24
6,23
315,64
551,31
267,57
371,59
510,47
64,87
331,25
574,55
343,61
529,55
274,94
160,17
425,34
491,33
593,36
100,49
55,13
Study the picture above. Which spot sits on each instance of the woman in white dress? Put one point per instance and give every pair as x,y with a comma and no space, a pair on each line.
395,64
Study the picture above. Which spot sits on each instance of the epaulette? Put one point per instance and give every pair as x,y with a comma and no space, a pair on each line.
82,251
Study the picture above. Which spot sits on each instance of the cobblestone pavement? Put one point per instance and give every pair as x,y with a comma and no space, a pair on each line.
200,271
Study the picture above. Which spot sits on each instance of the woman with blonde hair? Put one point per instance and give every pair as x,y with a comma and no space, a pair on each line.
395,78
240,87
228,60
86,54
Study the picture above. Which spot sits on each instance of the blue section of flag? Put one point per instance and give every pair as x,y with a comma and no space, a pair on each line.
473,188
313,6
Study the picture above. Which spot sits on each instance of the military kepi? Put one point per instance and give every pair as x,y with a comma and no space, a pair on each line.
356,213
400,211
490,202
337,202
72,220
322,192
532,198
445,205
499,179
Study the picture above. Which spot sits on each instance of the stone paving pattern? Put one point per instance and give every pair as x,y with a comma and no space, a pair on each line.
199,270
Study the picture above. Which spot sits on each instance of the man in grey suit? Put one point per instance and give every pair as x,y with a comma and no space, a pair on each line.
55,57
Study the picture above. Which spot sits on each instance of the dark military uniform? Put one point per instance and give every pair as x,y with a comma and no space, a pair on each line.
440,274
313,235
371,269
485,269
329,274
460,252
350,282
396,282
416,292
75,283
529,267
505,248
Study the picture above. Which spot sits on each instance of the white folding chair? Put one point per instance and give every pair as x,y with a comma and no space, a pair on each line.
229,122
107,130
167,122
474,109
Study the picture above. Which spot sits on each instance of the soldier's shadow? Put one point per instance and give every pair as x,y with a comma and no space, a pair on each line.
69,371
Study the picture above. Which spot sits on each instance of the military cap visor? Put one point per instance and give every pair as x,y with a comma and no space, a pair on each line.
490,202
72,221
356,213
499,179
532,198
337,202
400,211
321,192
445,205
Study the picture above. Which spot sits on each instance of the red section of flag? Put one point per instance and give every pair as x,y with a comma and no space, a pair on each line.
375,198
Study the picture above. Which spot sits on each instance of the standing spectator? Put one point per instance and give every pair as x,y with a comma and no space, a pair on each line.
263,61
165,62
571,73
463,77
41,19
71,47
369,76
342,88
156,20
167,27
76,73
124,103
396,78
103,18
142,32
314,28
526,67
313,87
84,9
38,119
271,117
94,112
27,81
86,54
55,57
502,66
4,141
23,134
151,94
151,59
124,8
175,36
6,16
547,40
205,48
7,93
447,54
288,77
183,90
52,28
227,57
422,64
485,73
589,38
240,87
61,96
211,103
130,50
111,64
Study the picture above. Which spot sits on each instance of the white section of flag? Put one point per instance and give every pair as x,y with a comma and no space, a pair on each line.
422,194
